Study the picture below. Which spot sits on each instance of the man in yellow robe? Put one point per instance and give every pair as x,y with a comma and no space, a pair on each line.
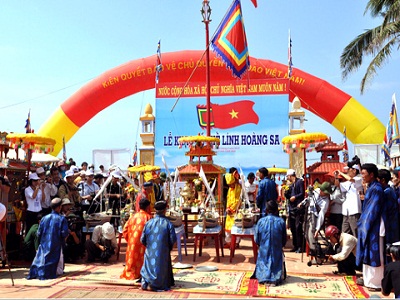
232,204
151,193
132,232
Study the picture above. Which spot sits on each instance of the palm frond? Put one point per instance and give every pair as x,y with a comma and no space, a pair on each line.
378,42
379,7
392,14
352,55
376,63
390,30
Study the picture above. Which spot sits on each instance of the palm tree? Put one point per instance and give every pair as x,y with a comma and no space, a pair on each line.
378,42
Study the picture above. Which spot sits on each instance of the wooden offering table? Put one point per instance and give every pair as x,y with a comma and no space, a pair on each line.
214,232
243,233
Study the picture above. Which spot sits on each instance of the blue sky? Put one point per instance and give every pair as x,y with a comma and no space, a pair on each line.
50,49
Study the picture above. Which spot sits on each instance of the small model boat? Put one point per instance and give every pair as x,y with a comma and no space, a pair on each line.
209,219
244,219
175,217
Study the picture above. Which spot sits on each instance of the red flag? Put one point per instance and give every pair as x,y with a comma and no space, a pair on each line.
229,115
254,2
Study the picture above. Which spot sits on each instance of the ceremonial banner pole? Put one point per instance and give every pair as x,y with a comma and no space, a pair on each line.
206,13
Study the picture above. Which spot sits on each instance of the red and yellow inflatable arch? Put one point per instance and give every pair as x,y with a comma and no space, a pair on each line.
315,94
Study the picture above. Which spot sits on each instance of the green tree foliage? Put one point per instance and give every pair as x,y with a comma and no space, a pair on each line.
377,43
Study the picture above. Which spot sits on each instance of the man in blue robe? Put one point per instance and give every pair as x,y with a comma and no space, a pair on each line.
53,229
390,212
370,244
266,190
270,236
158,237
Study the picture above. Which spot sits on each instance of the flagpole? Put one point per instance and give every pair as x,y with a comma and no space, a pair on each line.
29,152
206,13
290,62
345,149
396,133
391,133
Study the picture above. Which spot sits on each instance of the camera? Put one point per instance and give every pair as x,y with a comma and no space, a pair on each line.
310,190
391,248
106,254
74,223
322,251
387,249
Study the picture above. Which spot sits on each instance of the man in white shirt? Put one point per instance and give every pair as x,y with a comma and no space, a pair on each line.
251,187
103,239
345,245
88,191
50,190
351,207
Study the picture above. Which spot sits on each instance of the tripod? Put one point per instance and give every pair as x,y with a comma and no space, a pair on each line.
316,211
310,224
5,257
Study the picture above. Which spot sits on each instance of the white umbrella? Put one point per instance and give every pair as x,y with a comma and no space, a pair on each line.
44,158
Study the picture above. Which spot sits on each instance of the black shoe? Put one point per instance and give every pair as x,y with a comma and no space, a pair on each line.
371,289
293,250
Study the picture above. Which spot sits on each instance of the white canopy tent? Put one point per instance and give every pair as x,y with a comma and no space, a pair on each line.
44,158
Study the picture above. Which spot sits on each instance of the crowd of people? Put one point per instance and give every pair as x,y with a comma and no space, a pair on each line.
75,189
351,219
58,199
356,211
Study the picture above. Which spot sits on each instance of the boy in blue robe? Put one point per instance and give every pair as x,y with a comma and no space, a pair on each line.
270,235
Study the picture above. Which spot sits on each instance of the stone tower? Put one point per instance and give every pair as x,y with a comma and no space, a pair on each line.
296,126
147,134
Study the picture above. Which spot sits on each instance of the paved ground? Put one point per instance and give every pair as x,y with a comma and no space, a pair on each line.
243,260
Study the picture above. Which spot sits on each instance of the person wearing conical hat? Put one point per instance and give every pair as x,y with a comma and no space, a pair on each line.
232,204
